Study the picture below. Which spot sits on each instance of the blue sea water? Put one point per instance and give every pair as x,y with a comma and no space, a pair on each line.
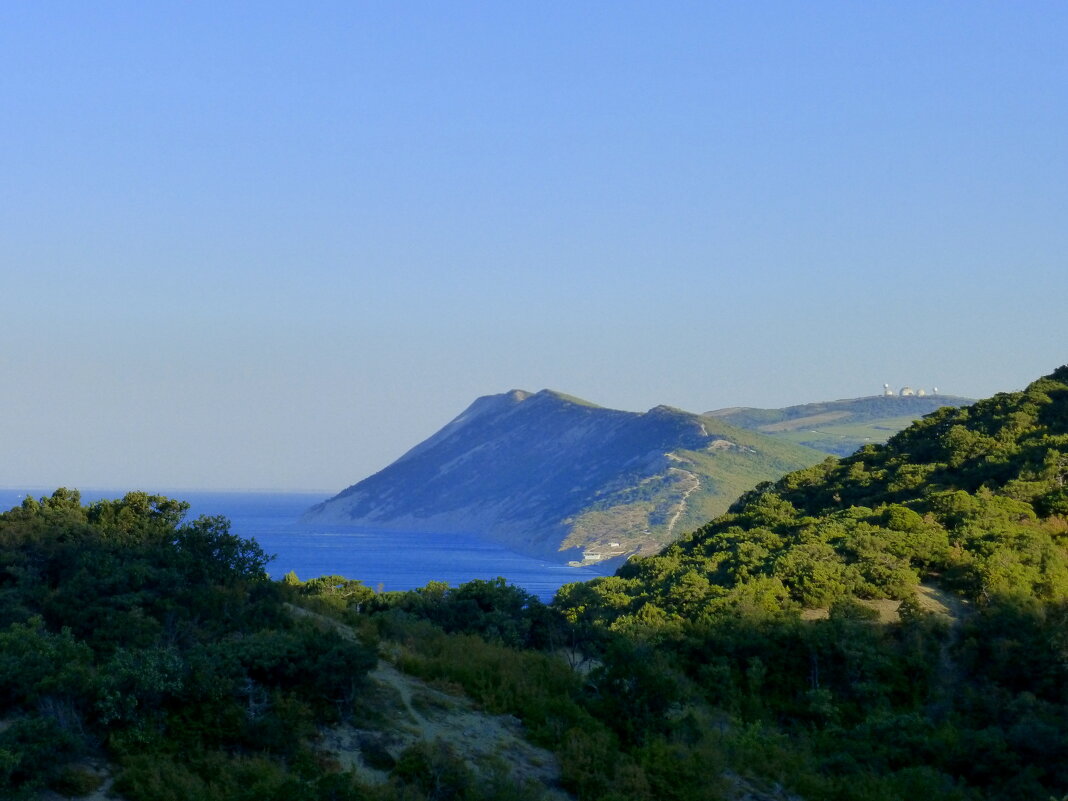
381,560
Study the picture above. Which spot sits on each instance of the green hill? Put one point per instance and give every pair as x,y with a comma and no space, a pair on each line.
840,427
975,495
955,535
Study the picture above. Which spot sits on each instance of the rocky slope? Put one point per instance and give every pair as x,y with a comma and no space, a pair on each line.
555,476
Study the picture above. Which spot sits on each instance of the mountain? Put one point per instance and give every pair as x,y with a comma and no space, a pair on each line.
558,477
839,427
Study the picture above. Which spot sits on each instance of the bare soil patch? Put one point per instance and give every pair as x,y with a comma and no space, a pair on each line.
406,710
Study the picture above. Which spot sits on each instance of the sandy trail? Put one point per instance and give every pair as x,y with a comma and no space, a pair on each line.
682,501
936,600
410,711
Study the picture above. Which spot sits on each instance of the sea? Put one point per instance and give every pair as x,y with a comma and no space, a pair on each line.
384,561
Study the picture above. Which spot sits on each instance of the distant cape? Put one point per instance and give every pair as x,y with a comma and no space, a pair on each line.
551,475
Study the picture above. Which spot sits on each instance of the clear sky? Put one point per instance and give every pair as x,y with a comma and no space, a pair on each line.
274,245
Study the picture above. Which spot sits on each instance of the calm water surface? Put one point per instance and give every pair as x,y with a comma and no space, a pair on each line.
385,560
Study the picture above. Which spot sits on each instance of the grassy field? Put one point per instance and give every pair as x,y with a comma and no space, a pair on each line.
844,438
838,427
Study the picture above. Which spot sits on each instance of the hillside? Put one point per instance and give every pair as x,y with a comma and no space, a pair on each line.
839,427
149,659
955,535
975,495
554,476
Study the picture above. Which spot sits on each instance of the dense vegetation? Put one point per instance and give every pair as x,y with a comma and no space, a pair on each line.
976,497
163,648
972,503
748,659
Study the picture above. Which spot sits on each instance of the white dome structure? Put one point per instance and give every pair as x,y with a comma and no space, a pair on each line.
905,391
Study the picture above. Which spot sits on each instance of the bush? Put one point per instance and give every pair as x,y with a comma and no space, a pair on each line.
31,749
436,770
76,781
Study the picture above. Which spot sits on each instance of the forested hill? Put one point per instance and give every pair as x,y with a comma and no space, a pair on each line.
840,427
955,536
554,476
975,495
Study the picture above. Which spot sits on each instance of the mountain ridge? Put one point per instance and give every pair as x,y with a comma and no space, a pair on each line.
556,476
840,426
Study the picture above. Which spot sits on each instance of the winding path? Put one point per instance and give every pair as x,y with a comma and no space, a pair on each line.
682,501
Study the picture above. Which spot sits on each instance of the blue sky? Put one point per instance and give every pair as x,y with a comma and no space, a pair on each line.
273,245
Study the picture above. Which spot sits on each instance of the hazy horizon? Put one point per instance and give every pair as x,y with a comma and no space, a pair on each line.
95,489
275,246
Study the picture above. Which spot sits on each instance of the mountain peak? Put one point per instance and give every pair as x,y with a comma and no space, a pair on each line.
665,410
562,396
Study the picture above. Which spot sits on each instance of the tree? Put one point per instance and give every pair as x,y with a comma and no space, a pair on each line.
210,552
